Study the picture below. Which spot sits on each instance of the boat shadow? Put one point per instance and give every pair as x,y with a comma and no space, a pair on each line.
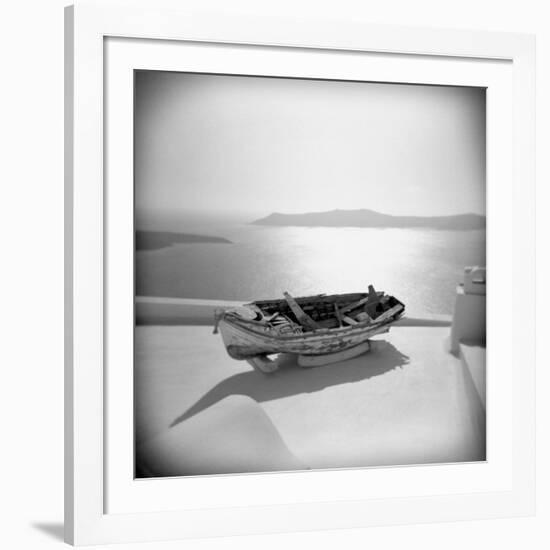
291,379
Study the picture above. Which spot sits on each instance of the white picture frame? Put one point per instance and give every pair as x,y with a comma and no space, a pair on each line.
103,503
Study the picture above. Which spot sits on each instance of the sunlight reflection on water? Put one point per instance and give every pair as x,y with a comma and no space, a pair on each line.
420,267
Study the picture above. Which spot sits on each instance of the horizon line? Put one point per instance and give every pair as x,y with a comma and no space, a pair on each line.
256,212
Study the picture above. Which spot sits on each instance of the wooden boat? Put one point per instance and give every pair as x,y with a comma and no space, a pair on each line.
319,329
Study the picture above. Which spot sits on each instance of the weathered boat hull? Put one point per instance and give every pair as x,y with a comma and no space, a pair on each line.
243,343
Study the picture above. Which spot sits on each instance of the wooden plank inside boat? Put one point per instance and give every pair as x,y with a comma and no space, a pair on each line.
301,316
338,314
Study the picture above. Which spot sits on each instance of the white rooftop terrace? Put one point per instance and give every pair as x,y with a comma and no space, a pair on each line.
407,401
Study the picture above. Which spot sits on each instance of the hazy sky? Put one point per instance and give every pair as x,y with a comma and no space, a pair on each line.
265,145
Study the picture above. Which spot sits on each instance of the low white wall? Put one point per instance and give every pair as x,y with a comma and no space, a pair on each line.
186,311
177,311
469,321
473,358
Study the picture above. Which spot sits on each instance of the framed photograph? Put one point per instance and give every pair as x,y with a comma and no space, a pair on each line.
299,275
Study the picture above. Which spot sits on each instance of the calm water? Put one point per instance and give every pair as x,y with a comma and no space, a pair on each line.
420,267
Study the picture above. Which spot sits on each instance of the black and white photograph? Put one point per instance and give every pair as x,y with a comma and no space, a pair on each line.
254,255
310,278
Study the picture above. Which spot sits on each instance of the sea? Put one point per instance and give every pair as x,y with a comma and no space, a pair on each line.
420,267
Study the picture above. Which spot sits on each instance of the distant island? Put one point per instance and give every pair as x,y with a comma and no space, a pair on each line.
371,218
154,240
